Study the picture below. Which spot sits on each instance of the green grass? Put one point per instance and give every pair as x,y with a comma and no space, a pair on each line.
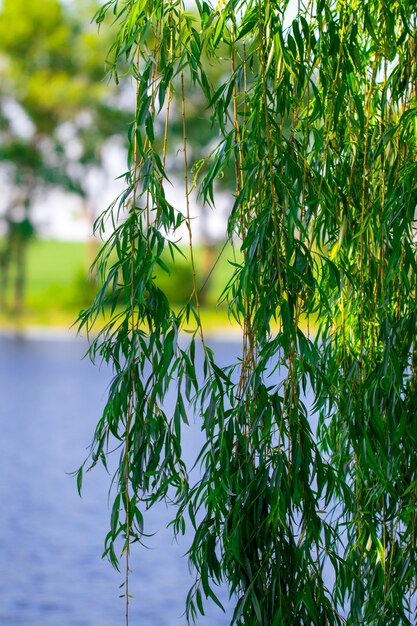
54,264
57,285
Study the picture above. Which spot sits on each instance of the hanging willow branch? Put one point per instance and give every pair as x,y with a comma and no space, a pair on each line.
317,114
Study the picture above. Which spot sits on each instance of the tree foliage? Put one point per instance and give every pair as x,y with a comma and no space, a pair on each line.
52,93
318,117
52,69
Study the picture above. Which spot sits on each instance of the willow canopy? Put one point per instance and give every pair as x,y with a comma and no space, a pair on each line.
315,112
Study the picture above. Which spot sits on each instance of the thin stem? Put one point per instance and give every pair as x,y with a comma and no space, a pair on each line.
188,210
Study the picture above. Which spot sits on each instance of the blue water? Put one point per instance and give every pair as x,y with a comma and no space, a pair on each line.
51,541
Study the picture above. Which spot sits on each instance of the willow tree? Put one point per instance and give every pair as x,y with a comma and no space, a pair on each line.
317,114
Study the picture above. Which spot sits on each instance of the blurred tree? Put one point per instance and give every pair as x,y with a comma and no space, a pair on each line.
56,113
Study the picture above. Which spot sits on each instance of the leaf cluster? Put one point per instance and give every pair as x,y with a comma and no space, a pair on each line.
317,118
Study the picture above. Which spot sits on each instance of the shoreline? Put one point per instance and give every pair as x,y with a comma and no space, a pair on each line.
63,333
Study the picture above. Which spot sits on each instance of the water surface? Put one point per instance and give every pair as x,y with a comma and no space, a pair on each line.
51,572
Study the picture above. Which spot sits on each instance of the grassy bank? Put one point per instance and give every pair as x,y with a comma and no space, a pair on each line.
58,285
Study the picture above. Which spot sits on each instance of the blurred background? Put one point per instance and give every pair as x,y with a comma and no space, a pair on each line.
63,129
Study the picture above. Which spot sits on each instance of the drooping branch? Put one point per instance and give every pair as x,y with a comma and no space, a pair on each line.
316,117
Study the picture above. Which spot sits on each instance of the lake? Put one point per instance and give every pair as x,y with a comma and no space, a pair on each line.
51,540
